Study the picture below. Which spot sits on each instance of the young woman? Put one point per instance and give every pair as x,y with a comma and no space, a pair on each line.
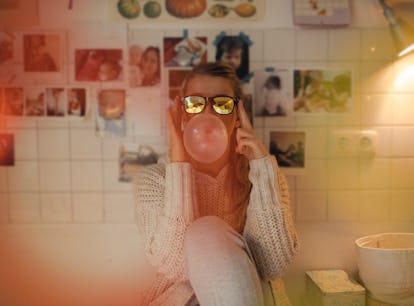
150,66
215,232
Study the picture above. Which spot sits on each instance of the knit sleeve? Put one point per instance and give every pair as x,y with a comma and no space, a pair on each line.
269,229
165,207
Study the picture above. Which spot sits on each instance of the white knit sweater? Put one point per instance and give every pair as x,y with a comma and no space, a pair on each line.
167,202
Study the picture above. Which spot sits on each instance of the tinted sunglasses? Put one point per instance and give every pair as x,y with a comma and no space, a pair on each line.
222,105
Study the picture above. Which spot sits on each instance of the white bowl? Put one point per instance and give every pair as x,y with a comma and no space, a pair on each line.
386,266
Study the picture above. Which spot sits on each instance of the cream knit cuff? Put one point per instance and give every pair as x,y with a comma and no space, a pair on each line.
264,177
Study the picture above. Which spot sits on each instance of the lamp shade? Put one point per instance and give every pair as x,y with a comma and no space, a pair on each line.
401,32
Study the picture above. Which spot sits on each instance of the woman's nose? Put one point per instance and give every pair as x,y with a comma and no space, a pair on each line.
208,108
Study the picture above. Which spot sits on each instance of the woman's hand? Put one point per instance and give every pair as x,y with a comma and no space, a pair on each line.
177,151
247,143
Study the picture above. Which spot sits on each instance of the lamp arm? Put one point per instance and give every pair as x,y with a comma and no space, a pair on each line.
388,13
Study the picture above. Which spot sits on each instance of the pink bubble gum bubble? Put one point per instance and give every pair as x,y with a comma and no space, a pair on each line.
205,138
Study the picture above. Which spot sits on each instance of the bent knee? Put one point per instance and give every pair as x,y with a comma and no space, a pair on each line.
206,232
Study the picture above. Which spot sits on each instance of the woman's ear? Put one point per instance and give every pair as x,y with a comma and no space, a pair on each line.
237,124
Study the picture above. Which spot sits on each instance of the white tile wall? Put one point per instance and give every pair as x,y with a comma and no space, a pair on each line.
311,206
279,45
85,144
53,144
375,205
402,141
24,207
344,45
3,179
343,173
377,109
119,207
88,207
376,45
402,209
256,51
25,144
24,176
403,110
87,176
402,174
377,76
312,45
65,174
56,207
384,138
316,176
316,139
54,175
4,208
343,206
375,174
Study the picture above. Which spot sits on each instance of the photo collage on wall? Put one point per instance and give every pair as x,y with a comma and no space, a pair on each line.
32,78
43,102
128,87
284,93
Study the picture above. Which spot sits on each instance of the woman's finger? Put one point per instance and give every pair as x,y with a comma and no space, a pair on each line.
174,113
249,145
243,117
249,148
177,151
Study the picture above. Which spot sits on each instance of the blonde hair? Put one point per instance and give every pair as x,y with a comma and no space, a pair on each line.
239,165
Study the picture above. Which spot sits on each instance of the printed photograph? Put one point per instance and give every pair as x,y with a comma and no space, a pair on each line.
234,50
42,52
110,115
322,91
7,69
144,58
98,65
133,156
35,102
76,102
184,51
288,147
6,149
272,93
13,103
144,66
56,102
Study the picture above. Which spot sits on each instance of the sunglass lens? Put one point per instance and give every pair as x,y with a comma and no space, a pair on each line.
194,104
223,105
